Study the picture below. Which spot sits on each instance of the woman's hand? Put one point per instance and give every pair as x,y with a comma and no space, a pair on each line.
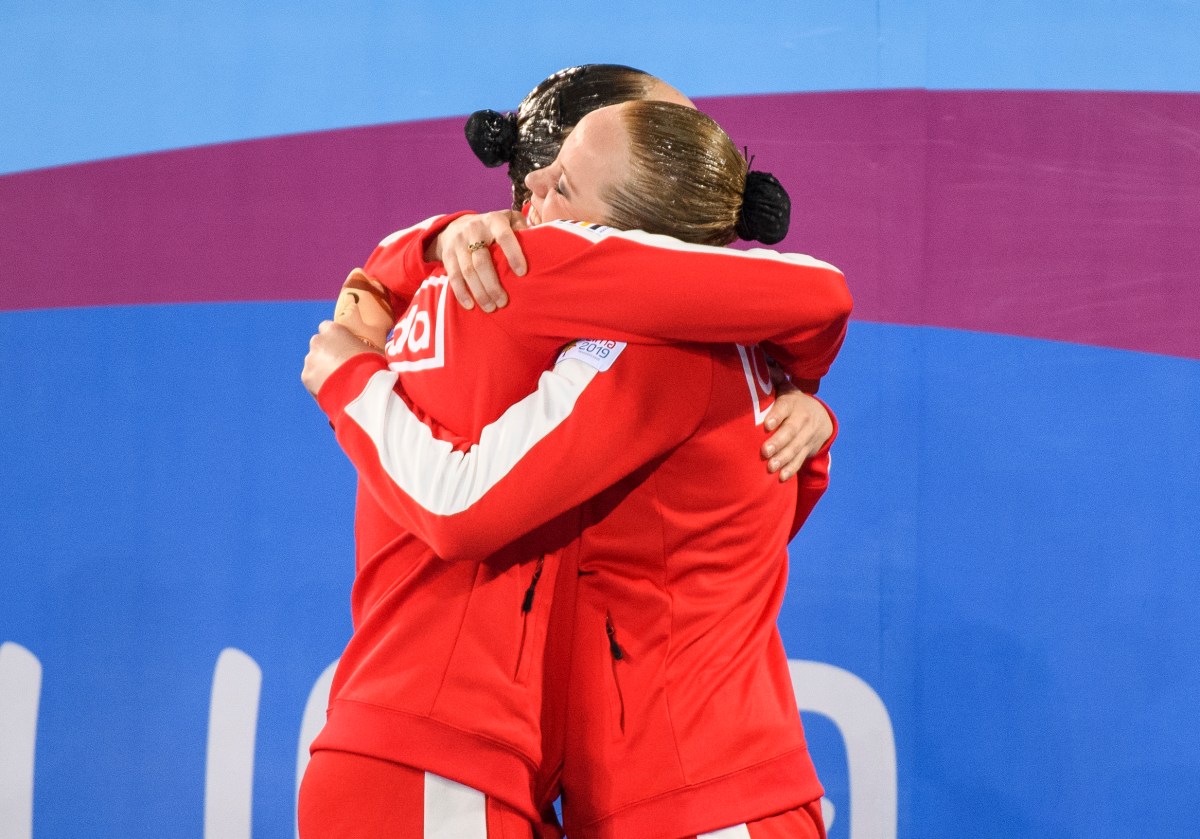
801,425
463,249
329,349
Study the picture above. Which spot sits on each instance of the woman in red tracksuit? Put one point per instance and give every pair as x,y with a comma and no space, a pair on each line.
451,684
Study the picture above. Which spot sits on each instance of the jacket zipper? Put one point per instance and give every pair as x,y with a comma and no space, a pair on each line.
617,654
527,603
526,608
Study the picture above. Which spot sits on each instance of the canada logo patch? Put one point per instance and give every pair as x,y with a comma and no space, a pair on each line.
418,340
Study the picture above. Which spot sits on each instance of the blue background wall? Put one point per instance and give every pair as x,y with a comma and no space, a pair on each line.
1004,558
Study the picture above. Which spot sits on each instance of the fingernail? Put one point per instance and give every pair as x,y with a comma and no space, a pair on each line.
503,301
770,449
774,465
488,307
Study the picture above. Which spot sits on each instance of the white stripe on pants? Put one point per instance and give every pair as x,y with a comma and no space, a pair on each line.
453,811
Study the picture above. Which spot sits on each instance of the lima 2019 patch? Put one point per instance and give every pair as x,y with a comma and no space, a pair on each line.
597,354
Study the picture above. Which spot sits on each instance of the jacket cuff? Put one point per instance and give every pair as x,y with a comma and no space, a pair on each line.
347,382
833,436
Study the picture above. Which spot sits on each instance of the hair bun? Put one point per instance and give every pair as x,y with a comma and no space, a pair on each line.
766,209
492,136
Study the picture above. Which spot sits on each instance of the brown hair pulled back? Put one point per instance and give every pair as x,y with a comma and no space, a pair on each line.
687,178
530,138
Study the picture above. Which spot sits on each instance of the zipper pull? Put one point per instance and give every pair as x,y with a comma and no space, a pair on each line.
527,603
611,631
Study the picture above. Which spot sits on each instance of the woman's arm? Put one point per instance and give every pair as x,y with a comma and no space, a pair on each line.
635,286
399,262
592,420
630,285
638,286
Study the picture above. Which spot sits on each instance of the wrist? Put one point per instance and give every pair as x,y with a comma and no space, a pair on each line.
347,381
430,242
433,250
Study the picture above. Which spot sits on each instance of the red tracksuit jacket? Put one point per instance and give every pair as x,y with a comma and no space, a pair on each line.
445,669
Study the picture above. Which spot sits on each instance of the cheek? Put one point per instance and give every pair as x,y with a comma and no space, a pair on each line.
554,207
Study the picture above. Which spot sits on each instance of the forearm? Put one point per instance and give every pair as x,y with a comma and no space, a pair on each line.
637,287
467,502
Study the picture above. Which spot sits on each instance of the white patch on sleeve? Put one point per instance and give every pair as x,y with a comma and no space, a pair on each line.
597,354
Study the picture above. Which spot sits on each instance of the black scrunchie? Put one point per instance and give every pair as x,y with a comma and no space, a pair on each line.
766,209
492,136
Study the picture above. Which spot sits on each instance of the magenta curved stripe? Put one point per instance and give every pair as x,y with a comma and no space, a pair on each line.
1065,216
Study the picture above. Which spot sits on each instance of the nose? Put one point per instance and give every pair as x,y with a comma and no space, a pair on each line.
536,181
